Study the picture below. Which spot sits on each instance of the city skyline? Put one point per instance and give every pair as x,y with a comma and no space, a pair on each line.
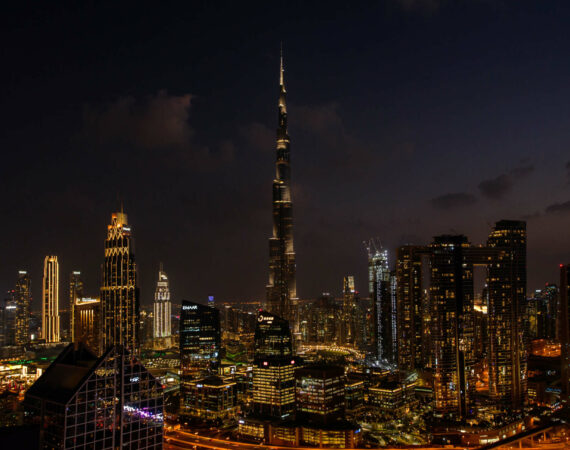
361,116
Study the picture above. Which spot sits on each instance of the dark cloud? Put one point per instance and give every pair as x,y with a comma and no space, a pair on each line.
557,208
157,121
453,201
568,171
497,188
259,136
521,172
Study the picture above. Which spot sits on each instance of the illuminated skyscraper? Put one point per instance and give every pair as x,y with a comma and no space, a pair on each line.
507,295
282,288
452,331
87,322
50,300
410,309
380,295
162,306
119,291
273,368
23,299
200,341
75,293
348,324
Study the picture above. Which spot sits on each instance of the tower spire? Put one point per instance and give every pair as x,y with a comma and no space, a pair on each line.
282,70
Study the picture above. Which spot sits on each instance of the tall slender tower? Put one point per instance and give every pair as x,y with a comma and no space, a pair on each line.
50,300
119,291
162,306
282,288
75,293
23,297
507,295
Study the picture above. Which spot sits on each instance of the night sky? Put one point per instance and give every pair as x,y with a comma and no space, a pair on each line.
408,118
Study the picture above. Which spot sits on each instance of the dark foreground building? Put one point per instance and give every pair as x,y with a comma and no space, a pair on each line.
87,402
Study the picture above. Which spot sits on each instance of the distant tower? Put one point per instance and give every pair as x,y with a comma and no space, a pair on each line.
282,288
75,293
119,291
162,306
23,298
50,300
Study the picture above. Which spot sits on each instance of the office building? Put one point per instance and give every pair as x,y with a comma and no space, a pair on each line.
211,398
200,340
282,288
75,293
106,402
162,307
50,300
319,393
273,368
23,299
507,295
87,322
119,291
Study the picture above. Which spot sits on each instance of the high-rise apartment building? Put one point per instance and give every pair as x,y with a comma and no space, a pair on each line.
119,291
282,288
162,306
451,293
50,300
23,300
411,333
75,293
507,295
273,368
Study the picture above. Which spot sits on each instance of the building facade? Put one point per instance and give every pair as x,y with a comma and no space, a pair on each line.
119,291
110,402
282,287
87,322
50,300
